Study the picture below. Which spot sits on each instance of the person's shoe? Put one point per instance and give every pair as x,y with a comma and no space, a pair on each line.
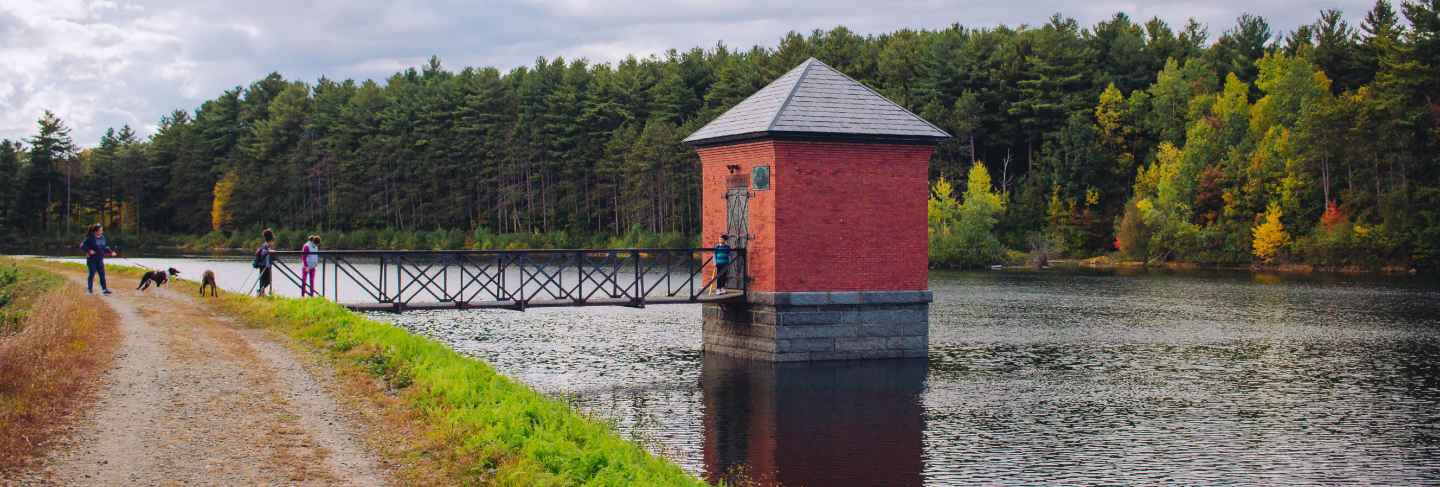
107,292
89,291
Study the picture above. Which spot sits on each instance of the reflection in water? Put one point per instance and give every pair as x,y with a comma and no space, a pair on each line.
798,424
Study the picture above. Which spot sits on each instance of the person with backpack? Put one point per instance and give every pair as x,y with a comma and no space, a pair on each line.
262,262
96,250
309,260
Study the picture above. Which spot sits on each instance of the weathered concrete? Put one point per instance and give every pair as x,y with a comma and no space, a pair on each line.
807,326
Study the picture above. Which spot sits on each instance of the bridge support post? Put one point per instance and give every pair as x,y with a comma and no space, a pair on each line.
835,180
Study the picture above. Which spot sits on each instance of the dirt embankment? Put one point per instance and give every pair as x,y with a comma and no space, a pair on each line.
193,398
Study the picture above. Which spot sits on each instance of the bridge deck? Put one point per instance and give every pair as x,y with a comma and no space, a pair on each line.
542,303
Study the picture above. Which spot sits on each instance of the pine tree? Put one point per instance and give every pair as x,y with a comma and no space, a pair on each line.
899,60
46,186
1337,51
1237,50
1055,83
10,154
1120,50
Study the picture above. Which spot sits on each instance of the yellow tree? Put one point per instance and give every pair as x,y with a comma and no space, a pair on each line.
1115,131
1270,236
943,208
974,232
943,214
220,215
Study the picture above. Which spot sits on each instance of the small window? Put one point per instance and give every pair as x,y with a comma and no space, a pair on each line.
760,178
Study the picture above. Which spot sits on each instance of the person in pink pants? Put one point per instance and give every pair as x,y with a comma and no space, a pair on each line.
309,260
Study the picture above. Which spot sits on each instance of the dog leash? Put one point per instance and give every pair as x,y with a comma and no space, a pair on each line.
118,255
131,262
246,285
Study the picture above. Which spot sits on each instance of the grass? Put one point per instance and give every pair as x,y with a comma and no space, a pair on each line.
450,419
48,361
19,287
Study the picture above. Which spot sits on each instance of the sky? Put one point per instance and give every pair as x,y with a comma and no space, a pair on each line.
107,63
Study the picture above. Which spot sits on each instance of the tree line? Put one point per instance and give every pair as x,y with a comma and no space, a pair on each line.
1149,139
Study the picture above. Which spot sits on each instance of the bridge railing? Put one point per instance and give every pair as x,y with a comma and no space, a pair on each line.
514,279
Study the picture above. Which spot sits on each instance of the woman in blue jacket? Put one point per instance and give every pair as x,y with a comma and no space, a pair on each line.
96,250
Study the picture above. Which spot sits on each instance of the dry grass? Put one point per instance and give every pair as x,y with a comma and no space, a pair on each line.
49,367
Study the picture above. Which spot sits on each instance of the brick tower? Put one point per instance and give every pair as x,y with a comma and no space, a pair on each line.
824,182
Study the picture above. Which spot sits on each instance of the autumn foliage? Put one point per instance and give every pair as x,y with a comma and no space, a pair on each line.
961,234
1270,236
1331,217
220,214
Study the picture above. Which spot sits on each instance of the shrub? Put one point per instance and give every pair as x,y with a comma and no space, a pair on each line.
1132,235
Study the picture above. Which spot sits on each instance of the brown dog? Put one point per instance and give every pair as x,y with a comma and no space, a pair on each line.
159,278
208,279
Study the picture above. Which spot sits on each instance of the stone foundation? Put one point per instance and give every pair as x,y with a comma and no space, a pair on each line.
811,326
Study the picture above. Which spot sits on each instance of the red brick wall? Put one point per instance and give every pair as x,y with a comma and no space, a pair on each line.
838,216
851,216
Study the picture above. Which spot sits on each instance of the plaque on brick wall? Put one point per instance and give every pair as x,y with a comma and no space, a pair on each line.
740,180
760,178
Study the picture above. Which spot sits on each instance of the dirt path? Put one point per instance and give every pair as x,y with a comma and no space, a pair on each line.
194,399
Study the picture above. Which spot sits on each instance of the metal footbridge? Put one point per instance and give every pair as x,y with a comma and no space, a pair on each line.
514,279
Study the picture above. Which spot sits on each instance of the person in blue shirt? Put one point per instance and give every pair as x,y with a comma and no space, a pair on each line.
722,264
96,249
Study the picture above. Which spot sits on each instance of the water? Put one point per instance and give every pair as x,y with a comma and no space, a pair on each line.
1056,377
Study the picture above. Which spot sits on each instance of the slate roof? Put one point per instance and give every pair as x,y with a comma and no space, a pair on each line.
815,100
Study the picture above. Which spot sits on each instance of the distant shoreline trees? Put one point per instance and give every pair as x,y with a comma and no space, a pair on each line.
1132,136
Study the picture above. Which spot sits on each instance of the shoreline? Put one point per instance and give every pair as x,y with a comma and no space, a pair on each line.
1105,262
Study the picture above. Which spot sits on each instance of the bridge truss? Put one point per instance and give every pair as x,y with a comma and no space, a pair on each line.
515,279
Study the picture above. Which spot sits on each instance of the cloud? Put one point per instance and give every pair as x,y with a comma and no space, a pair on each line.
106,63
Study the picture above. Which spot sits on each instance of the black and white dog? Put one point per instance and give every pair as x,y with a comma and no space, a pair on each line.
159,278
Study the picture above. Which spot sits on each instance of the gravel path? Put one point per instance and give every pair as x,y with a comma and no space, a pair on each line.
195,399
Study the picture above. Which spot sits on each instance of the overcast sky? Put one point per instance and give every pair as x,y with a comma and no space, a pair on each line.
104,63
